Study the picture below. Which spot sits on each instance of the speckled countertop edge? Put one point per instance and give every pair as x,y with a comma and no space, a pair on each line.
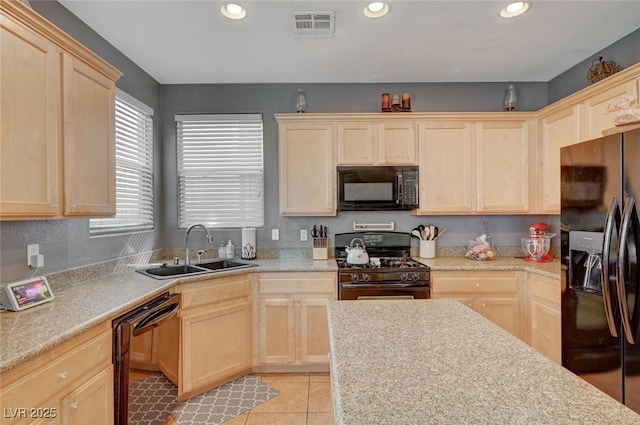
81,305
438,362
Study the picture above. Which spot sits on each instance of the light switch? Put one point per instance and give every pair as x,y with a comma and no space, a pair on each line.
304,236
275,234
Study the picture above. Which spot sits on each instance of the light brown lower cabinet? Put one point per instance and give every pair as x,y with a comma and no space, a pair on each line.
292,329
71,384
214,328
543,306
496,295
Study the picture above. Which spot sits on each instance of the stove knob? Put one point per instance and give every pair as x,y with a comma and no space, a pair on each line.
404,276
415,276
366,277
354,277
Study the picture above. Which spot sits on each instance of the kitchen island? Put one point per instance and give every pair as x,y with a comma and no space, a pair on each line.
438,362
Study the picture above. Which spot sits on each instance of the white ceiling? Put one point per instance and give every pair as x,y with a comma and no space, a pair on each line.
180,42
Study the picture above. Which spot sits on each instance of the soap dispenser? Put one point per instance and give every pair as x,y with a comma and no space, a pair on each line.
230,249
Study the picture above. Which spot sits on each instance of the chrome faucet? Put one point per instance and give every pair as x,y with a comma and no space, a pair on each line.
207,232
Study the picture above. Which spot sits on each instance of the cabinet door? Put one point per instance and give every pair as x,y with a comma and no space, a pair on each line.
502,310
89,140
545,327
594,109
30,80
168,348
356,143
502,155
91,403
558,130
141,348
307,169
216,345
313,330
397,143
276,323
468,301
447,167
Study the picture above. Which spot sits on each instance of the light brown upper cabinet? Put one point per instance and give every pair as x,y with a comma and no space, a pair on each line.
447,167
376,143
594,109
557,129
57,152
503,166
306,168
476,164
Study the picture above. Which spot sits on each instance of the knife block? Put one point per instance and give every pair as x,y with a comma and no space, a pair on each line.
321,253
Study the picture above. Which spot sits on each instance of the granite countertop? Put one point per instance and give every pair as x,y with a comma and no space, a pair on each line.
80,306
86,303
439,362
551,269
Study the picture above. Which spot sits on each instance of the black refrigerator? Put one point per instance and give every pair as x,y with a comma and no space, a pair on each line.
600,253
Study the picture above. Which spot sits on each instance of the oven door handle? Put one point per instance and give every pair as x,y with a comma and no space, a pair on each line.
382,286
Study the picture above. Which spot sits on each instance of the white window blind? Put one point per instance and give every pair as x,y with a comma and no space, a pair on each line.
134,169
220,170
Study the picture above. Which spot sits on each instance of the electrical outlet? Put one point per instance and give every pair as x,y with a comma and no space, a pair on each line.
32,250
275,234
304,236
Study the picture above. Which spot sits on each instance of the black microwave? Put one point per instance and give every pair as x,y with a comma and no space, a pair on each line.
379,188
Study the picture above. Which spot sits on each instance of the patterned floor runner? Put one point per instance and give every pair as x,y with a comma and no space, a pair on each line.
153,399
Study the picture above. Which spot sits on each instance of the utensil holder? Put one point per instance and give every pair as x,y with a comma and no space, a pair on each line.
321,253
428,249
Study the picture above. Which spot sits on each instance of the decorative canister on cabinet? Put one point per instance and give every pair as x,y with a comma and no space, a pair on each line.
601,69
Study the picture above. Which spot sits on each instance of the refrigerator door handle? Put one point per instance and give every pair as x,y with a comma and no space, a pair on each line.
629,221
613,220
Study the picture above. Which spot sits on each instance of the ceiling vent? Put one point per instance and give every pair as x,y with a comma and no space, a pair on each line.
313,24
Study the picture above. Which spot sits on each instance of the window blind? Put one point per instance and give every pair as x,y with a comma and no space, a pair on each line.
134,169
220,170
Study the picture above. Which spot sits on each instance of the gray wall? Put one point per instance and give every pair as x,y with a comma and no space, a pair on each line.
269,99
625,52
66,243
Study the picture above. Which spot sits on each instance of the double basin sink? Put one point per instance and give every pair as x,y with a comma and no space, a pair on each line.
172,272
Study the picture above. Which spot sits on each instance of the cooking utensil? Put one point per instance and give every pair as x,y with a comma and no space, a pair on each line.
441,233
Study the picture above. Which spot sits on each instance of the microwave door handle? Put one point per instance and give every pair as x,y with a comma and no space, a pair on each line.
612,220
629,221
400,188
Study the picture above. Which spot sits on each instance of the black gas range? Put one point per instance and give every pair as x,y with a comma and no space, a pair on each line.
390,272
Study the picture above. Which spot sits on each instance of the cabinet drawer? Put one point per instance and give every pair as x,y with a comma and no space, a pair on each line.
477,283
59,376
304,283
215,290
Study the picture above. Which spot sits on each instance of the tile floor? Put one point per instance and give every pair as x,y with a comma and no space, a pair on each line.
305,399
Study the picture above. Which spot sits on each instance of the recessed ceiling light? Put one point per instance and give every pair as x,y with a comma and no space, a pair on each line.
514,9
376,9
233,11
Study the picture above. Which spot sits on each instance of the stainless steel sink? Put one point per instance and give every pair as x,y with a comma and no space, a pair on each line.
220,265
171,272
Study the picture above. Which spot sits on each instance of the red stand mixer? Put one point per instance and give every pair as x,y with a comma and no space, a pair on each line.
537,245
